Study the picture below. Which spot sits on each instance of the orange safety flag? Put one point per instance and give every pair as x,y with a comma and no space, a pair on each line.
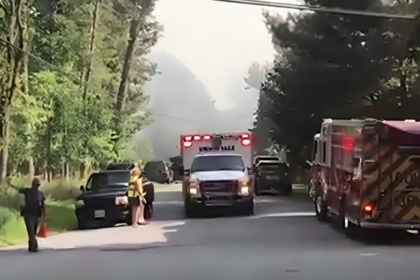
42,231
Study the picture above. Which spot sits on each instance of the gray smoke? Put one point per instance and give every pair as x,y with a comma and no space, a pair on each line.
181,105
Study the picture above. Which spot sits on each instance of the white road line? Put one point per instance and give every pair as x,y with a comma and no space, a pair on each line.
173,224
178,202
283,215
368,254
262,216
57,247
257,201
174,202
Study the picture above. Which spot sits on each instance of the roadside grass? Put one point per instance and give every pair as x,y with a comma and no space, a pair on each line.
60,216
13,232
60,195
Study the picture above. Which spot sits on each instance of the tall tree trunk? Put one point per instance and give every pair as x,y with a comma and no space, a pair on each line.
25,79
93,27
122,89
5,136
14,57
86,76
31,168
67,173
48,144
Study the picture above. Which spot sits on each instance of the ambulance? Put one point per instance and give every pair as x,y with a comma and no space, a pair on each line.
366,175
217,172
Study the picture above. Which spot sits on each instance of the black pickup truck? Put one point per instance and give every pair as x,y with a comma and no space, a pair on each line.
272,175
96,205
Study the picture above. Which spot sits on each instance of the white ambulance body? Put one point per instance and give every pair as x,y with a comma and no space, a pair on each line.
237,142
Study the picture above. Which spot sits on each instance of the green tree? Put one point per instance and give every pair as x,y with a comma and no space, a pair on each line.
60,73
327,65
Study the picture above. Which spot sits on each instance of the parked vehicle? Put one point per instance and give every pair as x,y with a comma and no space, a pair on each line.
177,167
366,175
158,171
272,175
96,207
121,166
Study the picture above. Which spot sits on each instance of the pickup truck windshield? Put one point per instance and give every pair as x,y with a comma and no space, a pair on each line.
216,163
273,167
111,180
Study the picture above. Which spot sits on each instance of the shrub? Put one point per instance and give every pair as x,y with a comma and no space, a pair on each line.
9,197
61,189
6,215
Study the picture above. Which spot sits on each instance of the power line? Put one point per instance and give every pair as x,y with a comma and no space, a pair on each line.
65,75
50,66
321,9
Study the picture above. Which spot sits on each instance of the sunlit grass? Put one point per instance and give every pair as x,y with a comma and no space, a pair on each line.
60,195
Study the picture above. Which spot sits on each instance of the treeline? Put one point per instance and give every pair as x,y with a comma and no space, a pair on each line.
339,66
71,82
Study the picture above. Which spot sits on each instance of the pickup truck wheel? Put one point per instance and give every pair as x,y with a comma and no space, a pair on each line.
321,209
82,224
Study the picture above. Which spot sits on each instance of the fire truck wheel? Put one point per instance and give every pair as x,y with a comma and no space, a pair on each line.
321,209
351,230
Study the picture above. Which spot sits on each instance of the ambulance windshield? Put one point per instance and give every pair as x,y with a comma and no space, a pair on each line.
217,163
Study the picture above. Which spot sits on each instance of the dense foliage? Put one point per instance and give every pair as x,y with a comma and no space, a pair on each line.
71,82
337,66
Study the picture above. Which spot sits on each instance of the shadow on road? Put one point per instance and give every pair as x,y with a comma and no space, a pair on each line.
284,233
293,233
382,238
165,196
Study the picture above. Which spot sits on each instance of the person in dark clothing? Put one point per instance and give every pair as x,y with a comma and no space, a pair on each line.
33,211
149,189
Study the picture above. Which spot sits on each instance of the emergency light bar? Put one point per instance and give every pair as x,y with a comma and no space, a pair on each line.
188,140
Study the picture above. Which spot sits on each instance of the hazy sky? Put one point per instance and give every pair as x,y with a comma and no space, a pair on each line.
217,41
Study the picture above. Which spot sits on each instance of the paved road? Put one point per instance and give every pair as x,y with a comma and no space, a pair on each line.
171,247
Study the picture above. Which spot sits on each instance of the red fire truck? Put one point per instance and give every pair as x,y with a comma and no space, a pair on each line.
366,174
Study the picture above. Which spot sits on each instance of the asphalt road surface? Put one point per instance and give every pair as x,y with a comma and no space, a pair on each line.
282,241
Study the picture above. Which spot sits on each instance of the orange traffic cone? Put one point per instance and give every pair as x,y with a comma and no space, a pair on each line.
42,231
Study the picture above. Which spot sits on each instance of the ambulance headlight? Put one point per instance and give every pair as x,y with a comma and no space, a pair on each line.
244,190
244,185
194,186
193,190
